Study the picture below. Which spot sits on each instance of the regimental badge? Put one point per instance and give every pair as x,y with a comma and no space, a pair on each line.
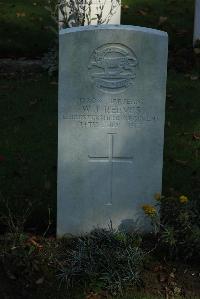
113,67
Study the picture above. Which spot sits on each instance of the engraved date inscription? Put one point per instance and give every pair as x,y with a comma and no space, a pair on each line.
112,113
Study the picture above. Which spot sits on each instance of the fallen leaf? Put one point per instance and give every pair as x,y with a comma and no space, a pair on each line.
142,12
162,278
193,78
158,268
47,185
187,75
125,7
162,20
172,275
182,162
20,14
35,243
33,102
196,136
2,158
181,32
169,96
40,280
10,275
197,51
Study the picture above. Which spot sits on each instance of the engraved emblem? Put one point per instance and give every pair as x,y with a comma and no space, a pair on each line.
112,67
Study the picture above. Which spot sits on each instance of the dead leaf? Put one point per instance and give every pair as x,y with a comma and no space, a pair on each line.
33,241
47,185
196,136
162,20
169,96
20,14
125,7
197,51
5,86
197,154
172,275
33,102
181,32
11,276
158,268
40,280
142,12
162,277
181,162
2,158
193,78
93,296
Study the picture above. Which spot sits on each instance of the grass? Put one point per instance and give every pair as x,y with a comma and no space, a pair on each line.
25,28
36,267
173,16
29,142
26,25
182,136
28,129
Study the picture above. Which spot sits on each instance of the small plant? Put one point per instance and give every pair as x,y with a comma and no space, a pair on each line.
50,61
177,227
104,258
79,12
73,13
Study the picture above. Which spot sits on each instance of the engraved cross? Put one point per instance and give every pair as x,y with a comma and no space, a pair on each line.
111,159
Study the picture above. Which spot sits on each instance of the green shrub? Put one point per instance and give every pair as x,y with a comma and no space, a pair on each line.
178,226
108,259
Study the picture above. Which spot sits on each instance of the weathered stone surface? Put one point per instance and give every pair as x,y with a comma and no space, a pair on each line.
111,124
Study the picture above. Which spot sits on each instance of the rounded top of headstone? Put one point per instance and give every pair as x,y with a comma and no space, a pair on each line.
114,27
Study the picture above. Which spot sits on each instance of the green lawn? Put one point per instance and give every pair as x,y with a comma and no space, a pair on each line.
25,24
28,150
182,135
25,28
173,16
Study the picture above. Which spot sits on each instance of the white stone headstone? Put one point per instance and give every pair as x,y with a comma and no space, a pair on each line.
110,9
197,22
112,82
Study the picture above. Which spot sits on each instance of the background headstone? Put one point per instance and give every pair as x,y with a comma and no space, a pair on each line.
111,125
107,11
197,22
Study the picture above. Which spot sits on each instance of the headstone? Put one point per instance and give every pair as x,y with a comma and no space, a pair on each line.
197,22
108,12
112,83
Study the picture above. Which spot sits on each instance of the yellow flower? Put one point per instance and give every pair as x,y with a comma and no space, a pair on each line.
149,210
183,199
158,196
